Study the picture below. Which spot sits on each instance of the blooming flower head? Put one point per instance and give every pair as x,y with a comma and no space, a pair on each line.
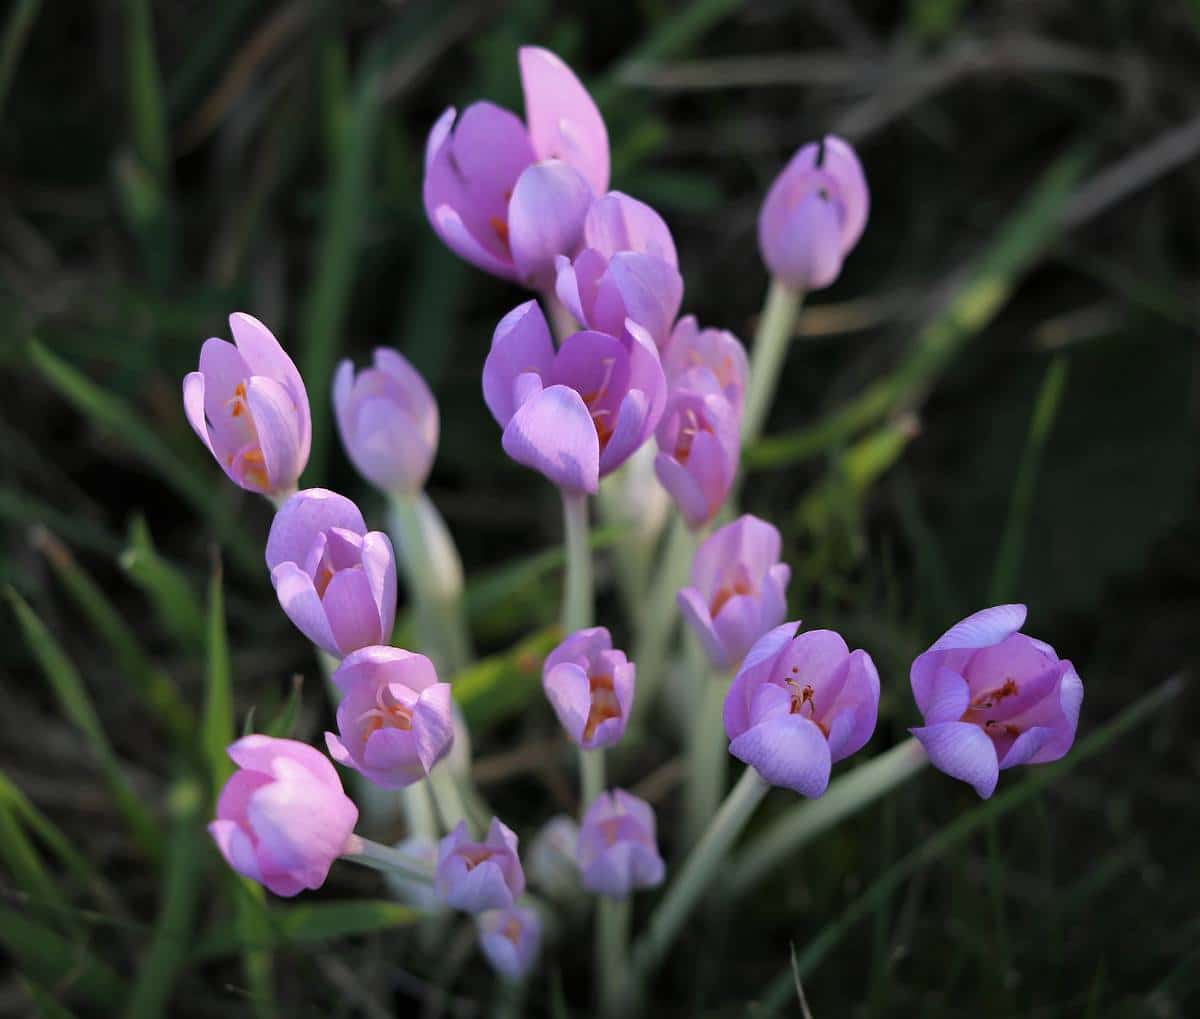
618,851
737,590
715,350
335,581
510,939
249,407
476,876
550,863
800,703
509,196
814,214
590,686
394,720
993,698
578,413
282,818
388,421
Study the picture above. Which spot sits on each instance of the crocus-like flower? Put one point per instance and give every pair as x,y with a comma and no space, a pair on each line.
617,847
507,196
476,876
798,704
510,939
282,818
550,862
993,698
388,421
737,591
394,721
335,581
249,407
578,413
590,686
717,350
814,214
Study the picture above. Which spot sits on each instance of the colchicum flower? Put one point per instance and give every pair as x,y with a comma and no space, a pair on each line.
394,720
798,705
335,581
718,351
737,591
282,818
388,421
550,862
477,876
993,698
576,414
510,939
618,851
590,686
510,197
814,214
248,405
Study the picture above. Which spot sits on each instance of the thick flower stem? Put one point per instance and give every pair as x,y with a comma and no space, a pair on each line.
707,754
383,858
612,949
577,598
775,327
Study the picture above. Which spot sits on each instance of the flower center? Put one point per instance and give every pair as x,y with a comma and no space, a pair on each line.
804,702
602,418
512,929
727,591
604,704
990,698
473,856
690,428
254,465
388,713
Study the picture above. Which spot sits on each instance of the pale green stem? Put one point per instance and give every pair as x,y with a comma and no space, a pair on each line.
707,748
448,798
278,499
577,599
776,326
509,999
591,778
384,858
612,950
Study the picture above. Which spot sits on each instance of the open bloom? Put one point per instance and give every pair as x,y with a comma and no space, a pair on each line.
394,720
814,214
798,704
388,420
993,698
282,818
249,407
717,350
618,851
578,413
590,686
335,580
476,876
509,196
510,939
737,591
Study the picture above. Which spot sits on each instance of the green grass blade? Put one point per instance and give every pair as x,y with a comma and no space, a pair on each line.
146,107
45,1007
30,877
168,590
50,960
283,724
19,508
16,30
253,929
217,724
499,686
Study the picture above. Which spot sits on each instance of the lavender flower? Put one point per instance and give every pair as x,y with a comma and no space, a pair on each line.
477,876
510,939
618,851
590,686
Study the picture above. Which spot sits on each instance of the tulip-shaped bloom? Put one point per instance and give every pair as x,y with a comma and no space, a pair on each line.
550,862
813,215
388,421
737,591
394,720
335,581
282,819
476,876
798,704
249,407
590,686
716,350
510,939
578,413
510,197
993,698
618,851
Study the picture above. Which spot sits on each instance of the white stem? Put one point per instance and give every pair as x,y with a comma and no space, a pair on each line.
384,858
612,950
776,325
707,749
577,600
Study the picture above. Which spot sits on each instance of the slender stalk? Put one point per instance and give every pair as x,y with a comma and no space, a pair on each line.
612,949
776,325
417,803
707,755
447,797
591,778
384,858
577,600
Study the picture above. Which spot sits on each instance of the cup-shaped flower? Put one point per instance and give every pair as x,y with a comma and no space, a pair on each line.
509,196
510,940
717,350
590,686
618,850
578,413
394,719
335,580
388,420
249,407
799,704
550,862
282,818
814,214
477,876
737,590
993,698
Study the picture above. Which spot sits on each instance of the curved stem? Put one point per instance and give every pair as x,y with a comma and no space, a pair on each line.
775,327
377,856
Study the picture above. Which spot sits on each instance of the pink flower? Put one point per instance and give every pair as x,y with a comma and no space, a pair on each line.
590,686
510,940
618,850
715,350
477,876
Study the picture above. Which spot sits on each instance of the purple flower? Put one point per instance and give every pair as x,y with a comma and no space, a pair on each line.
507,196
476,876
335,581
394,720
577,414
388,421
282,818
510,939
249,407
717,350
590,686
993,698
798,704
814,214
617,847
737,591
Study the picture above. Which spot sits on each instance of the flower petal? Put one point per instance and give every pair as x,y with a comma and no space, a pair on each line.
300,602
962,751
553,433
545,219
788,751
521,344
